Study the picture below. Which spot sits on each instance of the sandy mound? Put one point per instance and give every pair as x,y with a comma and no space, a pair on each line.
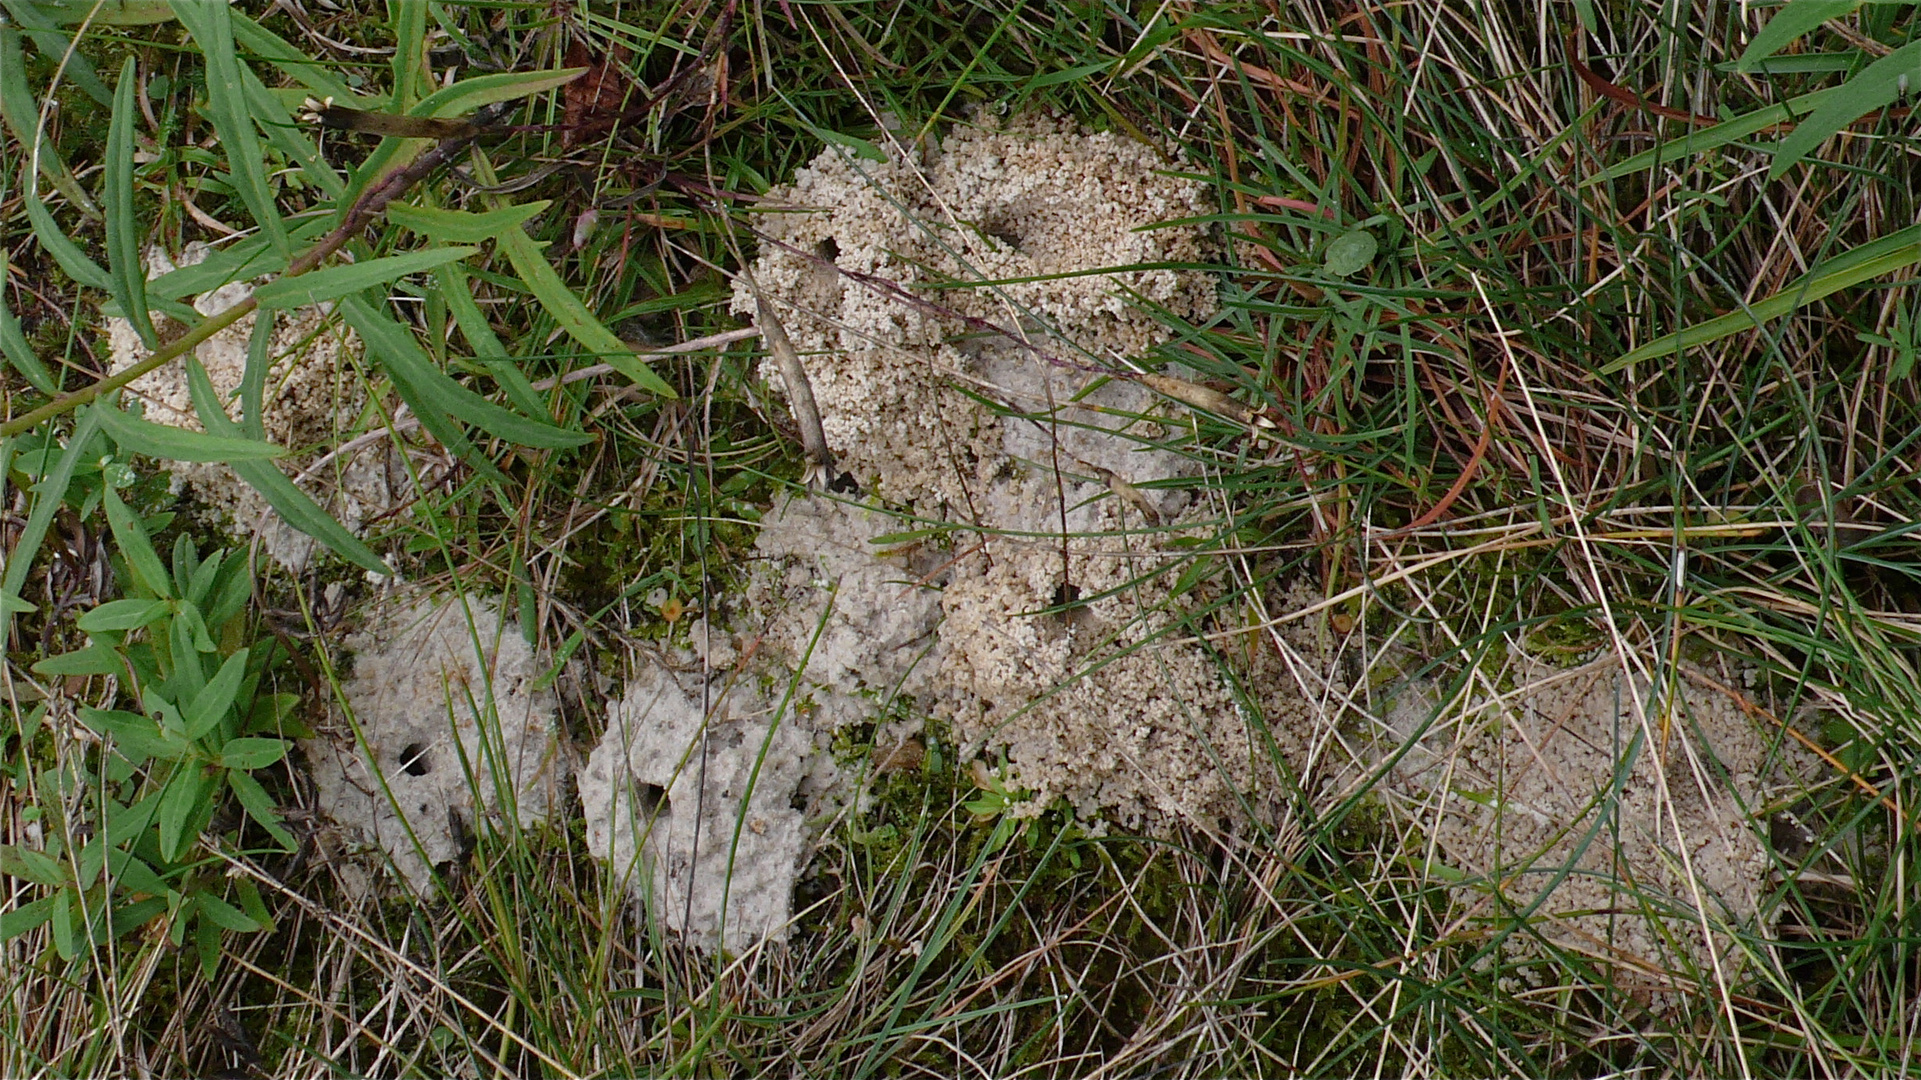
1025,441
443,695
1649,828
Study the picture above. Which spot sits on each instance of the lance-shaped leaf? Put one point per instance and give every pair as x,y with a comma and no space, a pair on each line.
572,315
123,233
335,282
212,29
178,444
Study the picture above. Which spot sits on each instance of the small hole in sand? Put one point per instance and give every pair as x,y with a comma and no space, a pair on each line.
649,801
413,759
828,249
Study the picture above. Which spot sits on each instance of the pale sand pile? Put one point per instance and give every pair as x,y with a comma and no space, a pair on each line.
1111,705
312,404
444,696
1657,822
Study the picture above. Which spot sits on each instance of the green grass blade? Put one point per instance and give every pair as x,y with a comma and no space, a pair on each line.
212,29
1790,22
1716,136
37,24
178,444
572,315
1878,85
123,234
1864,263
335,282
293,505
298,66
437,399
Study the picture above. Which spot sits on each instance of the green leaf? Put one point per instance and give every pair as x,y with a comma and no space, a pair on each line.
191,626
247,258
123,232
460,226
1351,253
260,807
1790,22
28,916
250,752
337,281
212,29
467,95
34,866
433,396
211,705
107,12
860,148
92,660
226,915
138,737
11,604
181,809
131,538
293,505
134,875
39,26
572,315
1869,261
64,251
170,443
1877,85
274,49
122,615
47,496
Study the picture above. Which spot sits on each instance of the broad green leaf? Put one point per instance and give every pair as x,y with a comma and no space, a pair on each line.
1877,85
1790,21
191,626
133,875
64,251
572,315
212,704
293,505
106,12
249,258
182,809
31,865
122,615
225,915
1869,261
409,20
28,916
249,752
261,808
432,395
1351,253
123,232
460,226
138,736
860,148
130,535
47,496
178,444
92,660
467,95
212,29
13,605
335,282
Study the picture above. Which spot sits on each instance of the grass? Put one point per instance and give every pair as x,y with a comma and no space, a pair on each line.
1459,467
